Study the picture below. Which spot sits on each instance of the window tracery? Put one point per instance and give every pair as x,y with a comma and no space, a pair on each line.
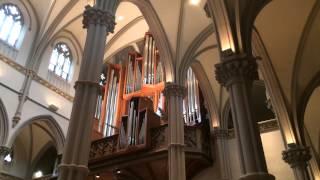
11,23
60,62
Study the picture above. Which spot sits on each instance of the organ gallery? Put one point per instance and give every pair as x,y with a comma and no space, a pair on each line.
131,115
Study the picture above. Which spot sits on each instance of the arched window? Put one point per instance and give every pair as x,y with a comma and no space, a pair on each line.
11,23
60,62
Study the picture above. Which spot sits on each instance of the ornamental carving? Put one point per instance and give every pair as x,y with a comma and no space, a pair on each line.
103,147
190,137
296,155
244,69
4,150
93,15
158,137
173,89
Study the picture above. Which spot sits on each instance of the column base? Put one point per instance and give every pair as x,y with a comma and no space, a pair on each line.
257,176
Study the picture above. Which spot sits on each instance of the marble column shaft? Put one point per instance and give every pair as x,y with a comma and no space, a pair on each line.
237,73
99,20
174,94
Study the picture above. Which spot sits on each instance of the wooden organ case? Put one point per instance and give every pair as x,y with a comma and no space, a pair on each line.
129,136
131,99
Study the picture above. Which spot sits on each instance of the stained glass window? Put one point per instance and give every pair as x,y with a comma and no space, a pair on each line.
11,23
60,62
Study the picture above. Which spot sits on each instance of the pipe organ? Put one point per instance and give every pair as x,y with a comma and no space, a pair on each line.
191,104
108,101
136,80
153,72
133,128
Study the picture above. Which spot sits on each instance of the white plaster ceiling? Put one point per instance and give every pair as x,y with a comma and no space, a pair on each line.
281,25
41,8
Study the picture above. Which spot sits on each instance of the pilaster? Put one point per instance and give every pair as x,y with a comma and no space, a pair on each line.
23,96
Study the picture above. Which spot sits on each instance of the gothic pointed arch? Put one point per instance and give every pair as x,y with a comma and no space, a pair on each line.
52,126
3,124
190,55
208,94
159,34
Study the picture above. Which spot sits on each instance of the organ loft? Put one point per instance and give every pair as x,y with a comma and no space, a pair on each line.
130,134
159,90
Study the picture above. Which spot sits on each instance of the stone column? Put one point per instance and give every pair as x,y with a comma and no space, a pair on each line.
221,137
99,20
174,94
297,157
237,73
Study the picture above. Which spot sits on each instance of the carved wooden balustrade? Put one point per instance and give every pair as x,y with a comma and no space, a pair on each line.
105,153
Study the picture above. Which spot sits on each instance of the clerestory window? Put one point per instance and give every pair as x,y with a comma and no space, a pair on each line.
60,62
11,23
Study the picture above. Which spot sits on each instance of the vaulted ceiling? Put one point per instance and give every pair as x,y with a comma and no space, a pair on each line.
282,25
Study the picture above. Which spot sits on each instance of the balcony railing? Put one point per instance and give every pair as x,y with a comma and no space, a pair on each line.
196,141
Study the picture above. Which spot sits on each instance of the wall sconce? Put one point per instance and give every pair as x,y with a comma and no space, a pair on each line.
53,107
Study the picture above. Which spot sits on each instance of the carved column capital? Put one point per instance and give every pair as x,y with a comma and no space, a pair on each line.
96,16
296,155
235,69
172,89
4,150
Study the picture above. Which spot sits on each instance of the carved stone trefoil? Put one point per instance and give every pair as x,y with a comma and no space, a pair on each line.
96,16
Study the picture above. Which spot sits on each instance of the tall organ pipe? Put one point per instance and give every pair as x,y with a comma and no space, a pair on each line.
109,116
153,61
129,124
115,104
108,100
112,105
145,59
149,59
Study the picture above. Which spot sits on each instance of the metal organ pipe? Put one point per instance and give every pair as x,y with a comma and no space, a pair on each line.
145,58
153,62
112,106
129,124
149,60
108,101
191,104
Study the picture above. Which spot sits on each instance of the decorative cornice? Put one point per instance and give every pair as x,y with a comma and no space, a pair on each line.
235,69
28,72
172,89
96,16
264,127
296,155
269,125
220,133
